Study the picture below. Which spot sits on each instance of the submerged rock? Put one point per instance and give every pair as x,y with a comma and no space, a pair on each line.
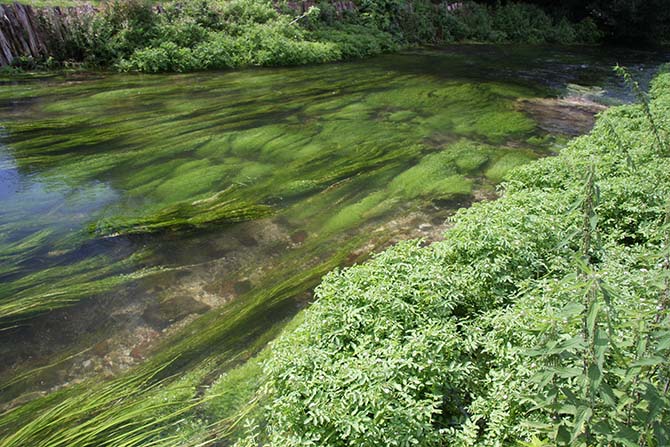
299,237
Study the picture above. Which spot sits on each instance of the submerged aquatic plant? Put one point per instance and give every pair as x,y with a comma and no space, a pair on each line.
229,149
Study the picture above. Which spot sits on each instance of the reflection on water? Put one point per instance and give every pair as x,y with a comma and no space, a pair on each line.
132,205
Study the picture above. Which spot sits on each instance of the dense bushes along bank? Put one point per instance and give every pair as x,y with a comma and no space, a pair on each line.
544,315
195,35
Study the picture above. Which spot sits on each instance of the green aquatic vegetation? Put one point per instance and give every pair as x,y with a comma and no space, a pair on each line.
435,176
192,179
402,116
251,171
469,157
105,415
227,159
499,125
218,208
155,404
298,188
63,285
482,109
499,169
355,214
26,246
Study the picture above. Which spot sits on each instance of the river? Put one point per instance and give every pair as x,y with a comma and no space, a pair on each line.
192,214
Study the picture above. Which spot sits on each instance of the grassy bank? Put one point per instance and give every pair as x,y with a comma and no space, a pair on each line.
135,35
541,319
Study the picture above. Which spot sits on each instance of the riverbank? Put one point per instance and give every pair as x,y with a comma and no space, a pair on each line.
136,35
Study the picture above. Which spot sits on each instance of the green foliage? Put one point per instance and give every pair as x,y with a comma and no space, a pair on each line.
105,416
542,315
516,22
633,21
132,35
382,371
121,27
258,36
355,41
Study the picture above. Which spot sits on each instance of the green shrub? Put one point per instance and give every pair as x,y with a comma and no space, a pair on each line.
183,32
221,51
374,376
248,11
587,31
475,23
354,41
522,23
166,57
119,29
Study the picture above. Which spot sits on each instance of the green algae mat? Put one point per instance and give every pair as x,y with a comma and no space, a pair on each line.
154,225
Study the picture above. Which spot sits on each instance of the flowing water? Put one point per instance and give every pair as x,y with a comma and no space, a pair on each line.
146,217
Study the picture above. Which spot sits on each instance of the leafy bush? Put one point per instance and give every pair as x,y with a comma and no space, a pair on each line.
514,22
587,31
245,12
354,41
120,28
273,43
168,56
522,23
381,372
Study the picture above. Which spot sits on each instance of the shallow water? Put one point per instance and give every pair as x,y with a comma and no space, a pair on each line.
202,208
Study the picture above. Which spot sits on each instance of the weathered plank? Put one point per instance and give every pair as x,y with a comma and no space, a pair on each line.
34,32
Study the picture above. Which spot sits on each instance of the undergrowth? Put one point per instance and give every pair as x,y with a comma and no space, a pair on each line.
136,35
